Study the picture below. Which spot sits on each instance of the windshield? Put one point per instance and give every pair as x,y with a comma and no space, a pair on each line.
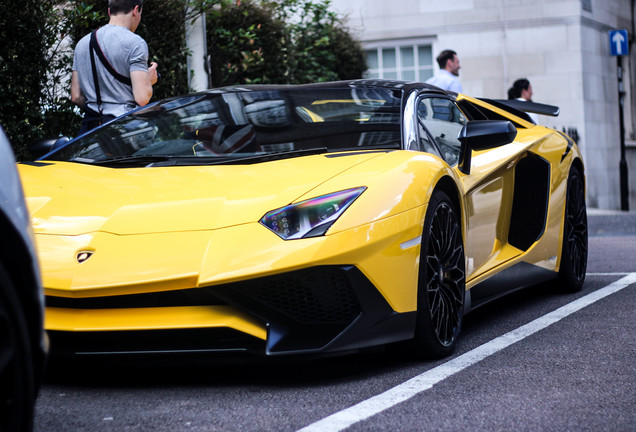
244,124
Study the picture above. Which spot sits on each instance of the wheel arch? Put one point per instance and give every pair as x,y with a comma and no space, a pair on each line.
578,164
448,185
573,250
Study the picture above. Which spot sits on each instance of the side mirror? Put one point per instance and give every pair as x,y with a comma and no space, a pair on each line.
44,146
483,135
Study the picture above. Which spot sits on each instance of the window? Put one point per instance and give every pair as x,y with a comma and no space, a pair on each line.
443,120
400,62
587,5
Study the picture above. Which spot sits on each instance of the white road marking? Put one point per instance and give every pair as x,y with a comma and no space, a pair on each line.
608,274
370,407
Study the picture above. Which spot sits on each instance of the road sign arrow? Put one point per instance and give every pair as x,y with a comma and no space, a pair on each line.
618,39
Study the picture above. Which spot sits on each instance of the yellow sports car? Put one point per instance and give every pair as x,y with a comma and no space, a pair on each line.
302,219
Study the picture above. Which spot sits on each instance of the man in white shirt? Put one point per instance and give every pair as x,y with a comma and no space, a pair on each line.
449,67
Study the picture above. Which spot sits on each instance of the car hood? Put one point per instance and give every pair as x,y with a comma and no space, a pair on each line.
67,198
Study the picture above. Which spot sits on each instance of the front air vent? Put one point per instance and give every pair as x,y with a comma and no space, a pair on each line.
312,296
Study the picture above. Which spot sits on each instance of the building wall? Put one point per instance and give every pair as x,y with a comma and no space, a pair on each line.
561,46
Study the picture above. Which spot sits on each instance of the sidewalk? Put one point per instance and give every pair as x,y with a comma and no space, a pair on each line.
608,222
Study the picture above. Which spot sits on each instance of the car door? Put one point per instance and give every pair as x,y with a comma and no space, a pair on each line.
487,187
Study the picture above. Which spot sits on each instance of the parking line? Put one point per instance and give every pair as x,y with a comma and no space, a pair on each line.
608,274
370,407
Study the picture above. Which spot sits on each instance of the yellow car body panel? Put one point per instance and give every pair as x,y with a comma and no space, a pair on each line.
60,319
167,199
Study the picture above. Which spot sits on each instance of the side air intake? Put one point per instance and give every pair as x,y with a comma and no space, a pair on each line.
530,202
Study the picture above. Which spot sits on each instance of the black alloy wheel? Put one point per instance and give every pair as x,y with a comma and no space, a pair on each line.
574,250
442,286
17,391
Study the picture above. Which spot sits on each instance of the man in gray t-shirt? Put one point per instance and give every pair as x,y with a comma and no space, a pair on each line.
127,53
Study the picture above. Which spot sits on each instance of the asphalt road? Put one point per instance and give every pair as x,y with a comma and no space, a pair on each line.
534,361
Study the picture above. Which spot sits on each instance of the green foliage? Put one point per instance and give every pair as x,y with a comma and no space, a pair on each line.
35,65
68,22
163,28
23,30
319,46
244,43
350,62
308,40
280,41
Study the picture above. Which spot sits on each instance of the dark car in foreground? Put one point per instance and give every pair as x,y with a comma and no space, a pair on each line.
22,337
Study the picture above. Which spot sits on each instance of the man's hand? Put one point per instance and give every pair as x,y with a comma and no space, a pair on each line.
152,72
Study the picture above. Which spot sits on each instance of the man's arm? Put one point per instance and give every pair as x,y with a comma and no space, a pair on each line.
142,83
76,92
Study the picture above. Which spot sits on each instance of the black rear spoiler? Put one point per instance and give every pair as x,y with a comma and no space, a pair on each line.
520,107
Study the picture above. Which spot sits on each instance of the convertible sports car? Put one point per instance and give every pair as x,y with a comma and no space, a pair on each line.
302,219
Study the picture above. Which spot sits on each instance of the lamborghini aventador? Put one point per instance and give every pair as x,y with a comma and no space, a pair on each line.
302,219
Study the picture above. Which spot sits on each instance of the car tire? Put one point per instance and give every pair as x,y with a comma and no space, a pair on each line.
441,284
575,247
17,389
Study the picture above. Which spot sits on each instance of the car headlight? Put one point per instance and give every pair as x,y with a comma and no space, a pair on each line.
310,218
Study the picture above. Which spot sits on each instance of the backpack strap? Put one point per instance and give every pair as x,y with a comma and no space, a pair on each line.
95,80
95,47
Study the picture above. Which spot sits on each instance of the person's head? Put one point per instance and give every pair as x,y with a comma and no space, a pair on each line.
116,7
448,60
520,89
128,10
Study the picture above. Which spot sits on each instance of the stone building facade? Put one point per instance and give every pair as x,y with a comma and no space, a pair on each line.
561,46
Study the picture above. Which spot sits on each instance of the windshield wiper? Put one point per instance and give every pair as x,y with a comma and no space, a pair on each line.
277,156
230,160
139,160
174,160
